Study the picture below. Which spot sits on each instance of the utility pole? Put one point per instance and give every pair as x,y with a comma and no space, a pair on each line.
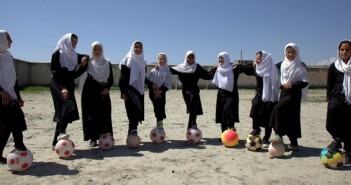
241,56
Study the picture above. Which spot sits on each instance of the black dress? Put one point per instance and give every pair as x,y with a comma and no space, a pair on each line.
65,110
135,101
285,118
96,108
260,111
159,103
11,121
191,91
227,104
338,113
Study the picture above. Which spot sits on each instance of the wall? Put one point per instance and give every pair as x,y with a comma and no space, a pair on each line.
38,74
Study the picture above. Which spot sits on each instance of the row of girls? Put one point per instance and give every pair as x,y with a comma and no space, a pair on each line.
276,105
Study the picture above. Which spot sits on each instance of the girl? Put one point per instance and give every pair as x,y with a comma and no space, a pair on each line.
227,104
339,98
66,65
266,96
285,118
96,103
189,74
12,117
131,83
161,78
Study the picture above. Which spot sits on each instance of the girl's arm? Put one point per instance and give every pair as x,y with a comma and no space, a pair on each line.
206,75
82,67
330,81
124,79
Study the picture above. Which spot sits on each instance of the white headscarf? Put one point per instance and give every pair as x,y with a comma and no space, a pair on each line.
137,65
346,69
270,74
98,67
7,68
224,76
293,71
185,67
68,54
162,75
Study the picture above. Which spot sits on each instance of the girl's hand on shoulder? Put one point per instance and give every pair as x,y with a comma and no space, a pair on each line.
84,61
123,96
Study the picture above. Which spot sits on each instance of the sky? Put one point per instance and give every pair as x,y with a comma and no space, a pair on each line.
208,27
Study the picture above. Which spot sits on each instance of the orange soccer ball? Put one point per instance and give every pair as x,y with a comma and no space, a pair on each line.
230,138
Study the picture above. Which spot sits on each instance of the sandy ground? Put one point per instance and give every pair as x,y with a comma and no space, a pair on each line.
175,161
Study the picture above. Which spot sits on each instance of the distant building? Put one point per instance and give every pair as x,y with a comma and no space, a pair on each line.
244,61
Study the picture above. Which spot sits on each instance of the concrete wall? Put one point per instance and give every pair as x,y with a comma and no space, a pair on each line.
38,74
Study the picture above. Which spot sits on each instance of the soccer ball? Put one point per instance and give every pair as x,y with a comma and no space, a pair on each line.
193,135
157,135
230,138
276,149
106,141
332,159
133,141
253,143
64,148
19,161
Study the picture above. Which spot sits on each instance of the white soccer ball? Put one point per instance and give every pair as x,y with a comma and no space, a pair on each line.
193,135
19,161
276,149
106,141
133,141
64,148
157,135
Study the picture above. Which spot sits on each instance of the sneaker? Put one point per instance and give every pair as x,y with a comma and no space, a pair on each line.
53,147
93,143
335,145
291,147
277,139
21,147
133,132
265,144
3,160
159,124
62,135
194,125
233,129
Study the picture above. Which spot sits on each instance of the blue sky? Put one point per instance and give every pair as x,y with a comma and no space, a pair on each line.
174,27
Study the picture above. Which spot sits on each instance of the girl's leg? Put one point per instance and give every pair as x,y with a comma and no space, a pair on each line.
4,136
133,127
192,121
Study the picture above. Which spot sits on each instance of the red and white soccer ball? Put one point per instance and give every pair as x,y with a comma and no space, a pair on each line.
64,148
194,135
106,141
157,135
19,161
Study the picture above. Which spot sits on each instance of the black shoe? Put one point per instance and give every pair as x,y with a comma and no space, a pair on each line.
21,147
335,145
347,158
3,160
133,132
255,133
93,143
233,129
